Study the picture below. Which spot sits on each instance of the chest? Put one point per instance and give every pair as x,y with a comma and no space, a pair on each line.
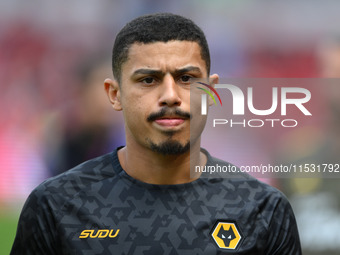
125,220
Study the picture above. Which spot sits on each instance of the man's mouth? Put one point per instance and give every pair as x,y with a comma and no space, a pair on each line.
169,117
170,121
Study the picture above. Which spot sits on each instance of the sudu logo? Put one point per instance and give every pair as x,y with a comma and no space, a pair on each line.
100,233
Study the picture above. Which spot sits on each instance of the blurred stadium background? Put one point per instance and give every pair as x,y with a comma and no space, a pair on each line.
54,56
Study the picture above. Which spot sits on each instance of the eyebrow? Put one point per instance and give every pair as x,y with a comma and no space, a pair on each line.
157,72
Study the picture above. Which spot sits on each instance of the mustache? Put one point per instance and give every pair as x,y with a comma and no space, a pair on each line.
168,112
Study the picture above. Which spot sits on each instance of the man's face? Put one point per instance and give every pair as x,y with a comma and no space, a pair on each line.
154,95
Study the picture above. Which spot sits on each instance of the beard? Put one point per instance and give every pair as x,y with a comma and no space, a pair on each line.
170,147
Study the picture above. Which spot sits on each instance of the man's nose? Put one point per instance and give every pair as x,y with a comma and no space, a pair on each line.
169,92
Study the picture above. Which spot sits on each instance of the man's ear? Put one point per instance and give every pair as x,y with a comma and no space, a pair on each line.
213,80
113,92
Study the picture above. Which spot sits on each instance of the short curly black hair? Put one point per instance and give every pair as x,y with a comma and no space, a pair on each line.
159,27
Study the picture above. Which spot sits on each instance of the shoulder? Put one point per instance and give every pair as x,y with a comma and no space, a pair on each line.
260,196
38,224
76,179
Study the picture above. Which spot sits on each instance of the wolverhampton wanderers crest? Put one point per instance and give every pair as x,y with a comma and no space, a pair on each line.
226,235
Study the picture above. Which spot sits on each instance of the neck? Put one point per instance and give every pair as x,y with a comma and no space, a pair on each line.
151,167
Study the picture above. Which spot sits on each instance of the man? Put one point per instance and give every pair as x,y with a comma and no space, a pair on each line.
141,199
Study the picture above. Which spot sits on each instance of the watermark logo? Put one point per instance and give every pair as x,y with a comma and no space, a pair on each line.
281,97
208,92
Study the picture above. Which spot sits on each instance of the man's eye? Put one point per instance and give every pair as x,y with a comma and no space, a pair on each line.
185,78
148,80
